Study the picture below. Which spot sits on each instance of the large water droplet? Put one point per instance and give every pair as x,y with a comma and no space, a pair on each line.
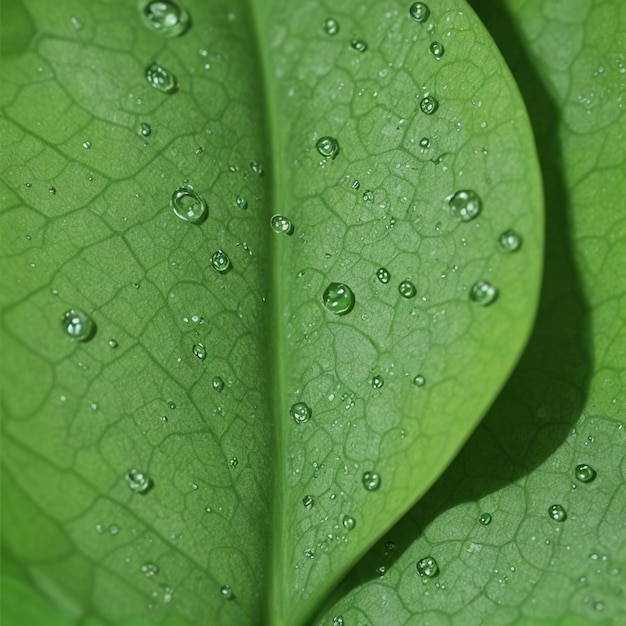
348,522
427,567
300,412
338,298
510,240
429,104
465,204
483,293
78,325
189,206
585,473
383,275
166,18
371,481
377,382
407,289
138,481
359,45
200,351
220,261
331,26
419,11
150,569
437,49
328,147
160,78
227,592
281,224
485,519
557,513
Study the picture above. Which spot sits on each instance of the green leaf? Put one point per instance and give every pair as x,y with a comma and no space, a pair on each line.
221,533
563,406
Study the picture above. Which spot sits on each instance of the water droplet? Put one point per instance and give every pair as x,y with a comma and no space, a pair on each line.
419,11
585,473
227,592
338,620
166,18
390,546
150,569
483,293
220,261
160,78
510,240
465,204
218,383
114,530
419,381
145,129
172,405
328,147
86,145
189,206
368,195
377,382
371,481
52,190
241,202
331,26
383,275
425,142
437,49
200,351
338,298
427,567
300,412
407,289
348,522
429,104
78,325
233,462
359,45
557,513
257,168
281,224
485,519
308,502
138,481
113,343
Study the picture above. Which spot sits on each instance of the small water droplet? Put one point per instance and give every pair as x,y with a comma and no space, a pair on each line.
161,78
189,206
485,519
241,202
359,45
328,147
371,481
86,145
390,546
419,381
300,412
425,142
377,382
149,569
220,261
465,204
78,325
281,224
227,592
429,104
114,530
383,275
557,513
419,11
407,289
427,567
510,240
200,351
233,462
166,18
138,481
348,522
172,405
331,26
483,293
308,502
217,383
437,49
257,168
585,473
52,191
368,195
338,298
145,129
113,343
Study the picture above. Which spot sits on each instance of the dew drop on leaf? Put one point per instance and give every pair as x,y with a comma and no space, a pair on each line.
220,261
437,49
189,206
328,147
145,129
557,513
241,202
485,519
585,473
227,592
199,351
78,325
149,569
300,412
510,240
282,225
331,26
407,289
161,78
425,142
217,383
371,481
338,620
483,293
257,168
308,502
465,204
427,567
138,481
348,522
377,382
166,18
419,381
419,11
359,45
233,462
383,275
113,343
338,298
429,104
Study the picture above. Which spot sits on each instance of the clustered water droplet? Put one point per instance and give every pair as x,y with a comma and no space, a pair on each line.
338,298
220,261
189,205
161,78
557,513
510,240
407,289
328,147
371,481
383,275
300,412
282,225
429,104
150,569
419,11
166,18
138,481
436,49
427,567
348,522
585,473
331,26
338,620
483,293
465,204
78,325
